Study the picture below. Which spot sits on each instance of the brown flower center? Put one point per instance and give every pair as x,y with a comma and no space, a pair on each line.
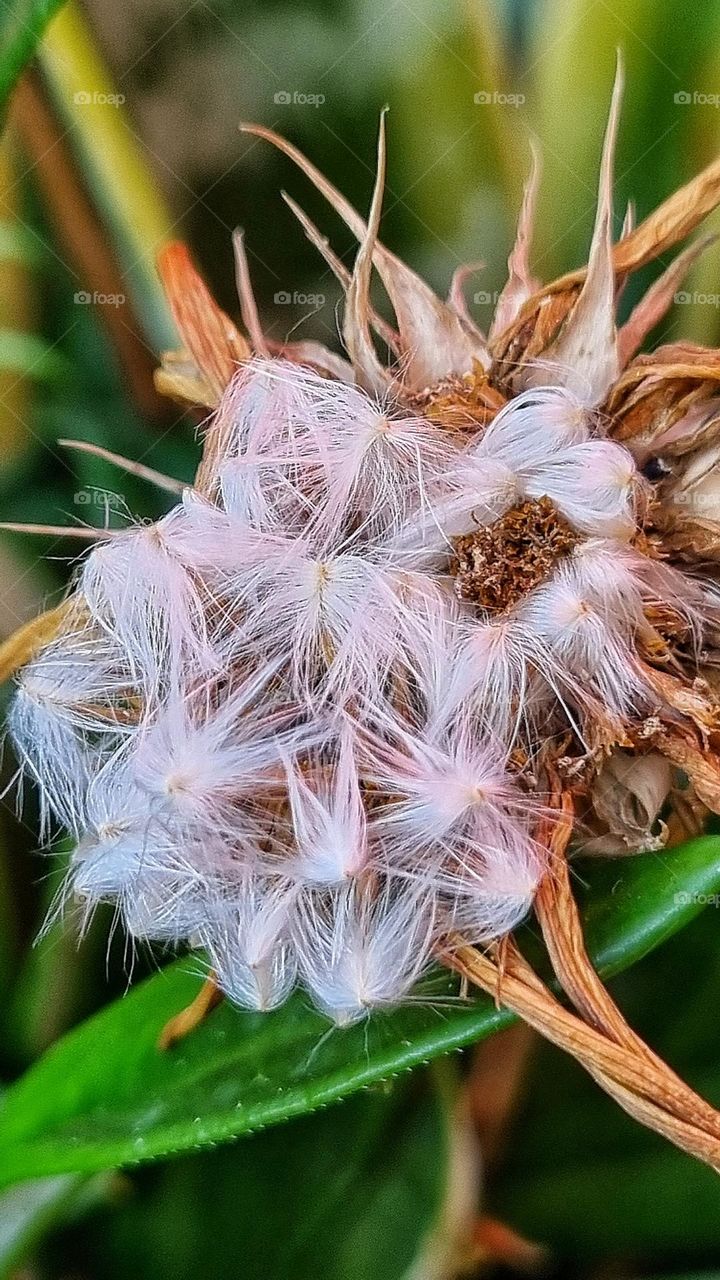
495,566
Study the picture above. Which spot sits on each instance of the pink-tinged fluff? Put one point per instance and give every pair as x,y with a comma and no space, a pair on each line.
360,950
248,940
329,824
278,731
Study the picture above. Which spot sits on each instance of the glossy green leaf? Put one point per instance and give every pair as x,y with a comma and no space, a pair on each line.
105,1096
354,1193
582,1176
22,23
30,1210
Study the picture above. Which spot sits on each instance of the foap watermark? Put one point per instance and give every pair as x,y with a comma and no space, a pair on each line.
296,98
687,899
496,98
694,298
486,298
697,502
283,298
93,98
99,498
83,298
696,98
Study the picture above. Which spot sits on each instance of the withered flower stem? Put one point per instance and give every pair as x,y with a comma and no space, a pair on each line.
597,1035
25,643
652,1095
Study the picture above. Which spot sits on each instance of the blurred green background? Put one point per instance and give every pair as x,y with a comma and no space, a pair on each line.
124,134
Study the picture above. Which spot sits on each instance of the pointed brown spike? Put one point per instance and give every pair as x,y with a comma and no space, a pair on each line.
384,330
456,294
520,283
248,305
435,342
371,375
214,342
584,355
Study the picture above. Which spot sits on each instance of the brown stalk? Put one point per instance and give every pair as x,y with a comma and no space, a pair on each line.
650,1093
599,1037
194,1015
558,917
23,645
83,236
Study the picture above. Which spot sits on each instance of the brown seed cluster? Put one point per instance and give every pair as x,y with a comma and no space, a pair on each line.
497,565
465,403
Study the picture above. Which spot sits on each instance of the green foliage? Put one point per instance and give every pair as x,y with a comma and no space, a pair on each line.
352,1191
350,1194
22,23
105,1095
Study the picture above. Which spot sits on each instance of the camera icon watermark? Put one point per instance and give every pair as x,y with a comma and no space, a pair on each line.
283,298
495,98
93,98
684,98
485,298
99,498
695,298
83,298
295,98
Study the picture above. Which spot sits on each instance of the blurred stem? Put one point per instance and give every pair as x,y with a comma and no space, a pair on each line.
16,305
510,149
83,236
122,184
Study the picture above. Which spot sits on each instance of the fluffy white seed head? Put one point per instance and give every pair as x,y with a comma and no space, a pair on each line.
279,731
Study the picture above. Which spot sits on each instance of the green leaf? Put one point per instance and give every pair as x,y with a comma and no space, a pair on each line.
104,1095
583,1177
29,1211
113,163
30,356
17,245
22,23
351,1194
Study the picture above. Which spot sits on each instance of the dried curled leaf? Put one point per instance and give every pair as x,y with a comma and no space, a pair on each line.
215,345
628,797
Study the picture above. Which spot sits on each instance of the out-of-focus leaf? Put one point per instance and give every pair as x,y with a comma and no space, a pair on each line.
572,58
31,1209
584,1178
30,356
351,1194
698,315
22,23
17,245
106,1096
113,161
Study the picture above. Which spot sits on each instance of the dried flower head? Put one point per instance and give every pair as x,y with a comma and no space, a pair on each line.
315,718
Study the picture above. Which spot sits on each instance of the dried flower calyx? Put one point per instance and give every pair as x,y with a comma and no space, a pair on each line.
289,725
